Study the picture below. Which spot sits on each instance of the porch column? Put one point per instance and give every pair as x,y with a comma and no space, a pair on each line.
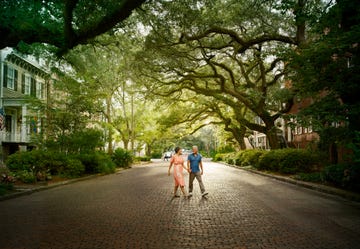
23,131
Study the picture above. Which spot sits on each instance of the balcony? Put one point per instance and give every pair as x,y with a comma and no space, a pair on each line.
14,137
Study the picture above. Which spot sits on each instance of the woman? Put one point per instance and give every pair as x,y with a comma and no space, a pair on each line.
178,162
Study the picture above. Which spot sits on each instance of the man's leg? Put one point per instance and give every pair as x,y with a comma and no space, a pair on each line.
191,181
201,184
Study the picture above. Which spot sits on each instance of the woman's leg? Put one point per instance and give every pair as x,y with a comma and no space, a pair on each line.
175,190
183,190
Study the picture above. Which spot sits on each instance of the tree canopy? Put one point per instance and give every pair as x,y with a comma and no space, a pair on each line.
63,24
237,56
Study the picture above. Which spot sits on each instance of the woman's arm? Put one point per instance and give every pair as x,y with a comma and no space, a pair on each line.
171,163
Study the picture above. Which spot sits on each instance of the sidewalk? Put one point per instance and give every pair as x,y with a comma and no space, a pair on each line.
310,185
27,189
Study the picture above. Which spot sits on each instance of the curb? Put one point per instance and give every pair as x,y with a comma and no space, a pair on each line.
54,185
30,191
41,188
314,186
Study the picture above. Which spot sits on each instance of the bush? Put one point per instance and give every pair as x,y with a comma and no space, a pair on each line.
230,161
36,161
122,158
218,157
248,157
226,149
156,155
26,176
294,161
97,162
51,162
74,168
269,160
4,188
225,157
288,161
143,158
310,177
20,161
343,175
105,164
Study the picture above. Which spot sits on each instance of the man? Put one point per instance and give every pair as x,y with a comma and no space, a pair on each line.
195,169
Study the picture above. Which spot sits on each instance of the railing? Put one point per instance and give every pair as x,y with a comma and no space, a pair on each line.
14,137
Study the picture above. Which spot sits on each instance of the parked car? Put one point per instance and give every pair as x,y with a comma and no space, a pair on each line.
167,155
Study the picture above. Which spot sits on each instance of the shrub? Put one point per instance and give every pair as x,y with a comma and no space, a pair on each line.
89,161
4,188
143,158
6,177
268,161
310,177
36,161
26,176
105,164
288,161
225,157
218,157
156,155
122,158
226,149
294,161
230,161
20,161
74,168
343,175
249,157
52,162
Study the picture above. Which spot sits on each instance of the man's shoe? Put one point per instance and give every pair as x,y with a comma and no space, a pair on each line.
205,194
190,194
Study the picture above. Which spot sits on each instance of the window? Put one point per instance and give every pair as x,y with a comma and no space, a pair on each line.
299,130
39,89
11,78
27,84
310,129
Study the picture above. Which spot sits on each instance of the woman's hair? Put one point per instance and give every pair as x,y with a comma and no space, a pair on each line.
177,149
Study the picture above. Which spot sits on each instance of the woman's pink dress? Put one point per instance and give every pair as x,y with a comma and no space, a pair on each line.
178,170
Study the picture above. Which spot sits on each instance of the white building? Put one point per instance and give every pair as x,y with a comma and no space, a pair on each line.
20,77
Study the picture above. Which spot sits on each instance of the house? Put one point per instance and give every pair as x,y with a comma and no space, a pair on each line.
21,77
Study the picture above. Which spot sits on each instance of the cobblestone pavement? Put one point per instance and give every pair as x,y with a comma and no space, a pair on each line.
135,209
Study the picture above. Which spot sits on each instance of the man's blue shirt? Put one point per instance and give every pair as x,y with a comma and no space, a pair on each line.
194,162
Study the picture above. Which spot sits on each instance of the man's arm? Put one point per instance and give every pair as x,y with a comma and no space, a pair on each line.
201,167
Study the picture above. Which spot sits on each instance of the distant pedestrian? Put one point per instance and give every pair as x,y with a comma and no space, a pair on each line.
195,169
178,161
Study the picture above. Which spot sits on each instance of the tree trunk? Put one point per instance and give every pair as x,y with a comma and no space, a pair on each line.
271,134
126,144
110,135
240,137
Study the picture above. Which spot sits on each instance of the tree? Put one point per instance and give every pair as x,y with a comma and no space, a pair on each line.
63,24
328,69
237,58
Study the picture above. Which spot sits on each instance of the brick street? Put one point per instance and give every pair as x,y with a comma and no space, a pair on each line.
134,209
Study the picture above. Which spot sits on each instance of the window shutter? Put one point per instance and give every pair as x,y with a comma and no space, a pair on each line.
23,83
15,79
5,76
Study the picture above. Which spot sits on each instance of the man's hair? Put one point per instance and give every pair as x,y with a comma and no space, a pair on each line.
195,147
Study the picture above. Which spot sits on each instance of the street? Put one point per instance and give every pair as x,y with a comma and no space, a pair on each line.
135,209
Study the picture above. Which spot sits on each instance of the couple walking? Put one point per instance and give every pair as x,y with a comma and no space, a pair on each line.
194,167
